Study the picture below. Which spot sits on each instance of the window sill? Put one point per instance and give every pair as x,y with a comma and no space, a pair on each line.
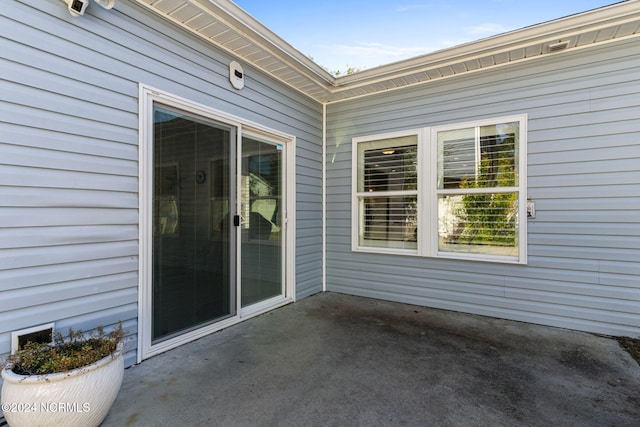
443,255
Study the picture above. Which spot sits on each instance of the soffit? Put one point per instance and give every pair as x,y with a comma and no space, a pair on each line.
229,28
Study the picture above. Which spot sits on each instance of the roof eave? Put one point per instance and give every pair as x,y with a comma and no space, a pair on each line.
285,63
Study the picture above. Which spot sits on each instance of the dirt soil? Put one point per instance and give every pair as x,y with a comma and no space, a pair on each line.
631,345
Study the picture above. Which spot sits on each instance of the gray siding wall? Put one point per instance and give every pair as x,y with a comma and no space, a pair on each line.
69,156
583,267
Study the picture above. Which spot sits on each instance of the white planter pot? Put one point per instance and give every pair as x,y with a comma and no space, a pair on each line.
81,397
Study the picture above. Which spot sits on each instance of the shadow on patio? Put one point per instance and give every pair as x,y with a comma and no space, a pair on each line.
340,360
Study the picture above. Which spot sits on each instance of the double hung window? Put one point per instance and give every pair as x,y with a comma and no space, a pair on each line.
455,191
387,192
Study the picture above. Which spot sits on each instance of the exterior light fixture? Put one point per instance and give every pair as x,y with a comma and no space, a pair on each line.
555,47
236,75
107,4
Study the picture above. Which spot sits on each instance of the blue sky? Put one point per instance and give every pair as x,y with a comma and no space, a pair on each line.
365,34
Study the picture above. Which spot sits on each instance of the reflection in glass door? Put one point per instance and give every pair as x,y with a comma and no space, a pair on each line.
193,267
261,221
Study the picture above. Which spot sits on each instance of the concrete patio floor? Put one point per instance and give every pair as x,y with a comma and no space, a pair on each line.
337,360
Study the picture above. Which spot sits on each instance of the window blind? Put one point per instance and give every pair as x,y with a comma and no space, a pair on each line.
388,200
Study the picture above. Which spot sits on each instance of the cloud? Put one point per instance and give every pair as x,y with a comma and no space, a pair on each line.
486,29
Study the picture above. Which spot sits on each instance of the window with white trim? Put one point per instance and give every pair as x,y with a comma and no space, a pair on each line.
454,191
387,192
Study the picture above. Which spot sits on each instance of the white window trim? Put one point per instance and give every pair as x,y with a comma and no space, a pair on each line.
521,188
355,213
427,196
147,96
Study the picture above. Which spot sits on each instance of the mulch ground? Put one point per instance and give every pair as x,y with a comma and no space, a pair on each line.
631,345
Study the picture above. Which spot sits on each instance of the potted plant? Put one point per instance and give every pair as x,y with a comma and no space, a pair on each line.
71,382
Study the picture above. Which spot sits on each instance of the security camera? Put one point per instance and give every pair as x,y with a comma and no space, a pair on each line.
77,7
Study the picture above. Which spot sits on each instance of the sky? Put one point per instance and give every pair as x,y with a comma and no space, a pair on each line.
339,34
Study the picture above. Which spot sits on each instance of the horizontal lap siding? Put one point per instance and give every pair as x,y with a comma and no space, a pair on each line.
583,173
69,156
68,184
309,216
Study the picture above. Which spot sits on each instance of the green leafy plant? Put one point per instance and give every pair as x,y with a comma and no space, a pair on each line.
491,218
77,350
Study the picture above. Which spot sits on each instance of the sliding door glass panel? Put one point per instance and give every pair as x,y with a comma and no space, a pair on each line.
193,162
261,221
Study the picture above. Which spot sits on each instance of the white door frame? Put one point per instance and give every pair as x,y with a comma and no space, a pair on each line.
147,97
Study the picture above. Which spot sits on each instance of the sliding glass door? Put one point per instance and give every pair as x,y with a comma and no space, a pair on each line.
193,258
213,208
262,220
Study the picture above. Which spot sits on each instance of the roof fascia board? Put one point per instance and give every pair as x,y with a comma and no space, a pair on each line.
564,27
453,59
234,16
271,43
329,89
470,72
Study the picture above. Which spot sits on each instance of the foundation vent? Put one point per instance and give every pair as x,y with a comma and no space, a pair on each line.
39,334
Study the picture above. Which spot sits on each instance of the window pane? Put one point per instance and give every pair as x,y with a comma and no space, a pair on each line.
192,249
456,157
482,157
262,214
389,222
388,165
482,223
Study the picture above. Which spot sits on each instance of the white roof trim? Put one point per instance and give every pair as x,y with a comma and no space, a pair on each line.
231,29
